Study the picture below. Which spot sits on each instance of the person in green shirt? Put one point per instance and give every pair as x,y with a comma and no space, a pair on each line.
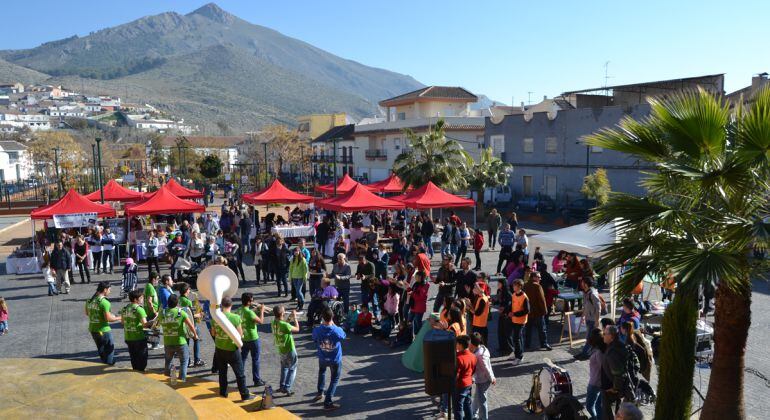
284,342
250,320
225,352
186,302
298,273
134,320
173,321
99,316
151,303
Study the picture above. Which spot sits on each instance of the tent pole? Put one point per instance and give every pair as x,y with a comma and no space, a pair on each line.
474,216
34,254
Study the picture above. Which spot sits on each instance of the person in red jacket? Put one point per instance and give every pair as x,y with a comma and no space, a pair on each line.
478,242
466,367
418,301
421,261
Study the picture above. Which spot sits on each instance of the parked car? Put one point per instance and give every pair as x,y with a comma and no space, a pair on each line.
538,204
579,208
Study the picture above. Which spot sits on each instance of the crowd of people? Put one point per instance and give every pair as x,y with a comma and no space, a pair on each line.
394,283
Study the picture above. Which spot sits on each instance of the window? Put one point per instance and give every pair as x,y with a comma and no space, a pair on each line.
397,143
550,186
550,144
596,149
526,182
401,116
497,143
529,145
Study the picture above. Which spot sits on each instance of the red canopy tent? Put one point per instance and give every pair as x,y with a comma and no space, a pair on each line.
72,203
345,184
115,192
429,196
276,193
163,201
391,184
358,199
182,192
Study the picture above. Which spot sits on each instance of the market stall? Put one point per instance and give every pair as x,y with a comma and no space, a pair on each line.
178,191
162,201
115,192
430,196
71,211
344,185
277,193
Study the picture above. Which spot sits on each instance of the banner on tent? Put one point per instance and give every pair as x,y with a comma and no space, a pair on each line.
118,227
74,220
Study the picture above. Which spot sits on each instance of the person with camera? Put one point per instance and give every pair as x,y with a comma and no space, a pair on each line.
250,320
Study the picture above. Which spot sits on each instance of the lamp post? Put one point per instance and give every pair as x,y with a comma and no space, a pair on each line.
334,164
99,162
264,146
588,157
56,151
93,166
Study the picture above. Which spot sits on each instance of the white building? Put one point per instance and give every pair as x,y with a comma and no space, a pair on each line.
378,143
34,122
15,163
145,122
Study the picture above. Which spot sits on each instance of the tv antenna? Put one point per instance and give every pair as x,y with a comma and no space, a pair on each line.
606,77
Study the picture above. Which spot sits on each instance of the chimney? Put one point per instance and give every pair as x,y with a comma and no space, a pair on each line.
758,81
545,97
522,106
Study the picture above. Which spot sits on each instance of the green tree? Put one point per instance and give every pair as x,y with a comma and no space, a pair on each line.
597,186
706,204
211,167
433,157
157,155
488,172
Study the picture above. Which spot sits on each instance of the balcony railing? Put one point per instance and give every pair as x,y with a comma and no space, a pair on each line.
372,154
330,159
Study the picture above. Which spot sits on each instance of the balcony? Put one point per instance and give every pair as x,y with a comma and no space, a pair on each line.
379,154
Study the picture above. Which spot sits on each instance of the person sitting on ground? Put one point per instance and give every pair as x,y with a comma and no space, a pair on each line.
403,337
364,322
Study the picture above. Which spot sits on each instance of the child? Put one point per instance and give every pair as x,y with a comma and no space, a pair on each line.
519,311
129,276
404,335
351,318
50,277
363,322
3,317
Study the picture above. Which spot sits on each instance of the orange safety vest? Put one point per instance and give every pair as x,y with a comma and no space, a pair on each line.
444,315
481,320
517,304
457,329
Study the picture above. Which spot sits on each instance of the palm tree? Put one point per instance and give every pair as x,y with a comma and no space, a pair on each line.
433,157
488,172
707,203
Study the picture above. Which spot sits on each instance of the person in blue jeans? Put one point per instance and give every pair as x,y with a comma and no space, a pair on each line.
284,343
593,392
249,322
329,339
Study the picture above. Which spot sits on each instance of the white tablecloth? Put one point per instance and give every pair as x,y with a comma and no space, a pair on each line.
294,231
22,265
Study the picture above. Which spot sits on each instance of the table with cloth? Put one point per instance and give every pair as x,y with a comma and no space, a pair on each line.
22,265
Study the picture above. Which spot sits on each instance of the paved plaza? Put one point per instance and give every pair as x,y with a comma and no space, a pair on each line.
374,383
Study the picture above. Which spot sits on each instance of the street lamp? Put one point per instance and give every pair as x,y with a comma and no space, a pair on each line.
93,167
99,161
588,156
56,151
264,148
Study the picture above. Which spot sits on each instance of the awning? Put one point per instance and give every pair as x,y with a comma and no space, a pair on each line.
358,199
276,193
429,196
163,201
115,192
344,184
72,203
391,184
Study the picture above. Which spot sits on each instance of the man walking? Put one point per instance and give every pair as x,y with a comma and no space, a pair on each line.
328,337
493,225
61,262
99,316
592,307
615,384
537,312
505,240
226,352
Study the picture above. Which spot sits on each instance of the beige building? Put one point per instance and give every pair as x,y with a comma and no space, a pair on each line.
377,144
311,126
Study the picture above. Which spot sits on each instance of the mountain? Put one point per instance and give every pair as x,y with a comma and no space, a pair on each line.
210,65
10,72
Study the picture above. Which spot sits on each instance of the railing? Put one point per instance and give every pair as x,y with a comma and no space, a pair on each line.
372,154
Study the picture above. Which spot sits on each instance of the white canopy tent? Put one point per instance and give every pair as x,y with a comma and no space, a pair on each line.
581,239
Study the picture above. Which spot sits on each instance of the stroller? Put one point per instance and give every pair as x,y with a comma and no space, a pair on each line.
130,278
187,271
316,307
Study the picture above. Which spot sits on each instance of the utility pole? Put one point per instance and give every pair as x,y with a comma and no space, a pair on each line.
334,144
93,166
99,159
264,145
56,151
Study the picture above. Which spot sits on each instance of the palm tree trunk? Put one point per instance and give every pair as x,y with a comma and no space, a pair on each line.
732,319
677,359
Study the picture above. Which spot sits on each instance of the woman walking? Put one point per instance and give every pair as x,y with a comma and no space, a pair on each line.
298,272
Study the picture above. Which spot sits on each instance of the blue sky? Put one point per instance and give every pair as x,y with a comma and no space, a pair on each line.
504,49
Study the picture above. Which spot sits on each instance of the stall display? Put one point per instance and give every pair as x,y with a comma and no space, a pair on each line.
291,231
22,261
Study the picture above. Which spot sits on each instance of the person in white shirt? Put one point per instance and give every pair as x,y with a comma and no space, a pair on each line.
152,252
50,277
484,377
521,239
196,247
95,243
108,250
